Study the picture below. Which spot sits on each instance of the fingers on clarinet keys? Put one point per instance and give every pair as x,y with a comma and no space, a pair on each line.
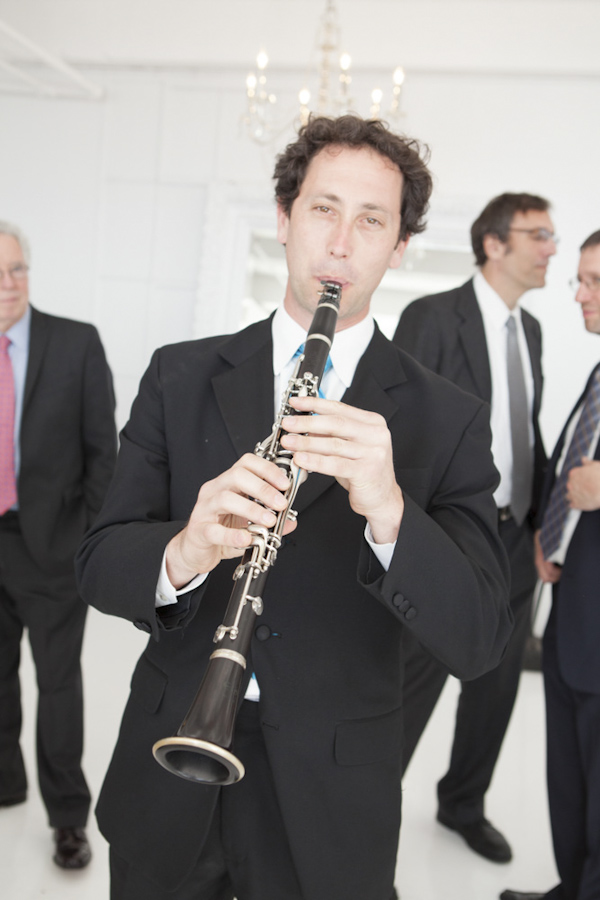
482,837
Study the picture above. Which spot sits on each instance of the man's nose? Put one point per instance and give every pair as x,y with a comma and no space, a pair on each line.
340,244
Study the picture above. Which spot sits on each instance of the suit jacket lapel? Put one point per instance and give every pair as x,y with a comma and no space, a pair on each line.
250,355
535,355
249,380
378,370
38,339
473,340
558,449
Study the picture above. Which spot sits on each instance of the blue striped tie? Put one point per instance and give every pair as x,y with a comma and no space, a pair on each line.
558,507
328,366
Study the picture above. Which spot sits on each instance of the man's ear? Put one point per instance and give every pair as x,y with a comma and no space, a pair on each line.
398,253
493,247
283,221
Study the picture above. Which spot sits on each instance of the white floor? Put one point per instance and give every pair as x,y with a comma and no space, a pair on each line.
433,863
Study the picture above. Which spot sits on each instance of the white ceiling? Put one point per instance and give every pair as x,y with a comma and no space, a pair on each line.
492,35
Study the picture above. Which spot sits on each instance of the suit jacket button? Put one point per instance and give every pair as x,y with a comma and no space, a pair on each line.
398,599
410,613
263,632
143,626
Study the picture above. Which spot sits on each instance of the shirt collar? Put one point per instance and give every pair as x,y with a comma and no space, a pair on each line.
346,351
491,303
19,332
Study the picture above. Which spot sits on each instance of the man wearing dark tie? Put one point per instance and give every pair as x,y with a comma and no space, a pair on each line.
57,453
478,337
567,556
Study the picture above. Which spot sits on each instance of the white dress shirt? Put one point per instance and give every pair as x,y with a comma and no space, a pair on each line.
495,315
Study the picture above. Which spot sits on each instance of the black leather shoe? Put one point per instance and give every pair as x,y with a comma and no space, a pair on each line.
519,895
72,848
482,837
14,800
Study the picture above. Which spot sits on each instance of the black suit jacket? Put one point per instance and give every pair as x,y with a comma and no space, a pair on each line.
67,439
576,597
445,332
330,673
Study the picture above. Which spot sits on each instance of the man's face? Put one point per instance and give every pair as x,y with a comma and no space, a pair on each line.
588,293
343,227
14,284
524,258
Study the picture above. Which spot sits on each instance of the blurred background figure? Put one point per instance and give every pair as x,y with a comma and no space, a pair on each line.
57,452
478,337
567,557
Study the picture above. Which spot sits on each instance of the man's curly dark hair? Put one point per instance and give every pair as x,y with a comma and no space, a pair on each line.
352,131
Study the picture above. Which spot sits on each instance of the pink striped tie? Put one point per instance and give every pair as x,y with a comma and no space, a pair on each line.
8,486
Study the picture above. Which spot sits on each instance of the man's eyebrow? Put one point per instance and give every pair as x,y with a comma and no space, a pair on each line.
375,207
367,207
332,198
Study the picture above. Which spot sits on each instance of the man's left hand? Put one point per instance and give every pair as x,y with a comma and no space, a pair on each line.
583,485
355,446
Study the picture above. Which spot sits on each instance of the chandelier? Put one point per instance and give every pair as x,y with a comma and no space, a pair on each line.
333,97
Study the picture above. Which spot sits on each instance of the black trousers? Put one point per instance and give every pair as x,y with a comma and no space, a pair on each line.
573,746
49,608
485,704
246,855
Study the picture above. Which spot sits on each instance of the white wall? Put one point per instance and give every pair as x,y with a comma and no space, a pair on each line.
134,201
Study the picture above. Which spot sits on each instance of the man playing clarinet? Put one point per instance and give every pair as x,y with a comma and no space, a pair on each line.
395,533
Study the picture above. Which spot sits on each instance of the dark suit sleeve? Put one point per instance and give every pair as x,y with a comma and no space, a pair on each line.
448,579
98,425
418,333
118,563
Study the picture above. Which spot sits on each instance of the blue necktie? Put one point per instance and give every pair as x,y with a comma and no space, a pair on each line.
328,366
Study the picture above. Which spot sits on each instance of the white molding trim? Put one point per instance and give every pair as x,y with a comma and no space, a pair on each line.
233,212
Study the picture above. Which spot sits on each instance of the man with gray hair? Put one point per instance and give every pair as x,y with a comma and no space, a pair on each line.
57,452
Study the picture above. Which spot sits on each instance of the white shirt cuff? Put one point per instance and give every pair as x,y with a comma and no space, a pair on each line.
383,552
166,594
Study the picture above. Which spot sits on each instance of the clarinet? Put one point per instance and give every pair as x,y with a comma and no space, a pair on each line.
200,751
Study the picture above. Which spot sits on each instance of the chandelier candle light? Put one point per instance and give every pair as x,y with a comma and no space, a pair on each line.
333,96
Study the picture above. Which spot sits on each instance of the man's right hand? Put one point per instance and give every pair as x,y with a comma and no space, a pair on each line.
217,528
548,572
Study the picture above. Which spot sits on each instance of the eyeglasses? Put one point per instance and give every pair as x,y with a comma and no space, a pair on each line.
18,272
592,284
539,234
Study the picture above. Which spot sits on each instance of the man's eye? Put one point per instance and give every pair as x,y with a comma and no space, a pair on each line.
323,208
372,221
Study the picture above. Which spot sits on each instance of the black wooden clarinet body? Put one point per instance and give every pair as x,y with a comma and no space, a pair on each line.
200,749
